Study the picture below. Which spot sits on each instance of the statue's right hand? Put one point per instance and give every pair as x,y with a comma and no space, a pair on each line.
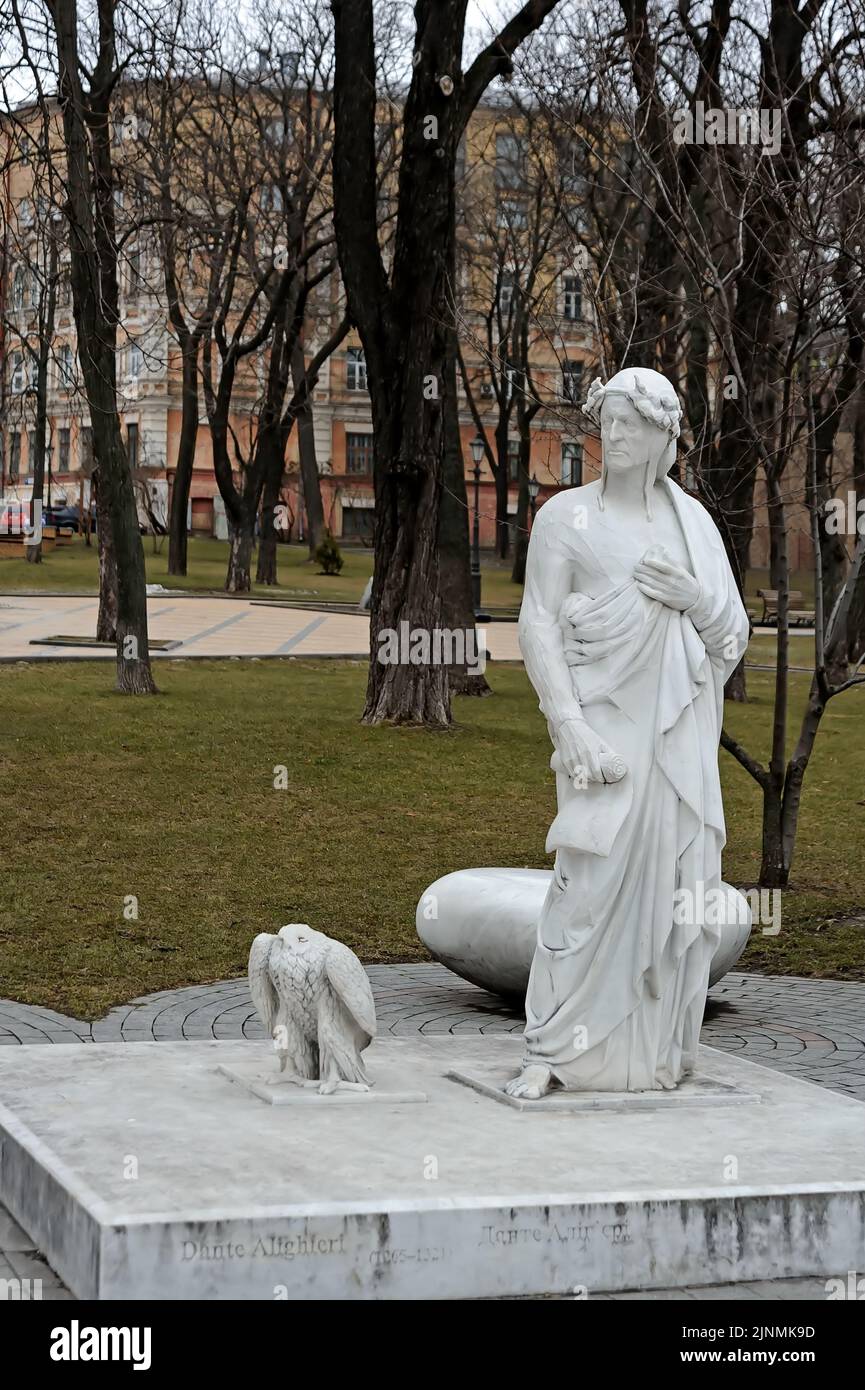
585,756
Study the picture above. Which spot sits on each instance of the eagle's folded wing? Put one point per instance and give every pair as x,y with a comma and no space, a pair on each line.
350,983
261,988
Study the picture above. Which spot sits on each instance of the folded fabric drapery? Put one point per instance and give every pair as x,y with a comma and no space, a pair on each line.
617,987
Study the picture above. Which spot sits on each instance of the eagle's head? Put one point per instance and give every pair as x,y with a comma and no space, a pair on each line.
297,935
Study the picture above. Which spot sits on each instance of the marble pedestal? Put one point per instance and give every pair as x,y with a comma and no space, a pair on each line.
482,924
142,1172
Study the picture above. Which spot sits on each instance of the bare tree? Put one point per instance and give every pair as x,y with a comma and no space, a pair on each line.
402,316
89,67
755,309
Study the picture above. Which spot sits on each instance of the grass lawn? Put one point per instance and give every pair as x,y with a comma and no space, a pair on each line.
172,800
73,569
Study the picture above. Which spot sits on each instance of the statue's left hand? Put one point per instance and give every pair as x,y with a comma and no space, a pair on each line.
661,578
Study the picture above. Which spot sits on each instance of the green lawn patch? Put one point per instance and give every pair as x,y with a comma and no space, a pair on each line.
172,801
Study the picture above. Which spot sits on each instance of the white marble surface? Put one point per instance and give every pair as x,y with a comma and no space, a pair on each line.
261,1081
482,924
141,1172
490,1079
630,625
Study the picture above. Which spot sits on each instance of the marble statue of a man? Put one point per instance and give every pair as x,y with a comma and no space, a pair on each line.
630,625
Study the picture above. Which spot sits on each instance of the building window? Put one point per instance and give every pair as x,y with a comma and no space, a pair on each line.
572,382
506,292
511,213
510,162
278,130
25,213
14,454
573,297
64,290
132,445
271,199
20,288
31,451
513,460
136,361
135,281
355,370
358,523
573,180
572,465
63,450
66,366
358,453
16,375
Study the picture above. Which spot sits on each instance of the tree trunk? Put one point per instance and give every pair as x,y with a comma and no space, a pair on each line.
406,590
503,535
736,688
177,525
453,546
266,572
856,613
773,870
106,619
737,542
403,316
90,191
309,473
241,536
33,553
521,540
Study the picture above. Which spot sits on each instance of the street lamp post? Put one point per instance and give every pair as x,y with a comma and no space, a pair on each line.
534,489
477,448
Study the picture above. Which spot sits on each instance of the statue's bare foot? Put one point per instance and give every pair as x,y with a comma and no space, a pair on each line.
533,1082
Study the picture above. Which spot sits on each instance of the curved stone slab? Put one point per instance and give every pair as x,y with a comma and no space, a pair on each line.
481,923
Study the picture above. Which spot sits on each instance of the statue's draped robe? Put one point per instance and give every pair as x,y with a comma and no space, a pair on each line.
619,979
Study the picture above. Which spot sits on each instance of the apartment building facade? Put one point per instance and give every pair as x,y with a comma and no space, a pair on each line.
149,378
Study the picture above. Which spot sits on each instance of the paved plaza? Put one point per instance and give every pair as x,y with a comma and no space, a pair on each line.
199,626
202,627
813,1029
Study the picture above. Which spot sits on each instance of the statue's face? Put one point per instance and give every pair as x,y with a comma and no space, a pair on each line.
627,439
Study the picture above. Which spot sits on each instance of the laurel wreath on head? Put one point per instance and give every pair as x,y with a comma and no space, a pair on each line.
662,410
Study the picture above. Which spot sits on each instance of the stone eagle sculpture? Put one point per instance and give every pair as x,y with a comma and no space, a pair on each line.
314,998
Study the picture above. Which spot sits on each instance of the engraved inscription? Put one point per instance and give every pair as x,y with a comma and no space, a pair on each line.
266,1247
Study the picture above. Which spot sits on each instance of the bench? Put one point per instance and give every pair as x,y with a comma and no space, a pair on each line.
794,615
12,547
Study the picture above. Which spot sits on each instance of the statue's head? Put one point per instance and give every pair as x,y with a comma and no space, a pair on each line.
638,414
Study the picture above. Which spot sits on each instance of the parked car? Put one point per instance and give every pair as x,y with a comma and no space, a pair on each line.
14,519
64,516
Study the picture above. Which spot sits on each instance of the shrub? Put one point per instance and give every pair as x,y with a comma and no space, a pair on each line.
328,555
